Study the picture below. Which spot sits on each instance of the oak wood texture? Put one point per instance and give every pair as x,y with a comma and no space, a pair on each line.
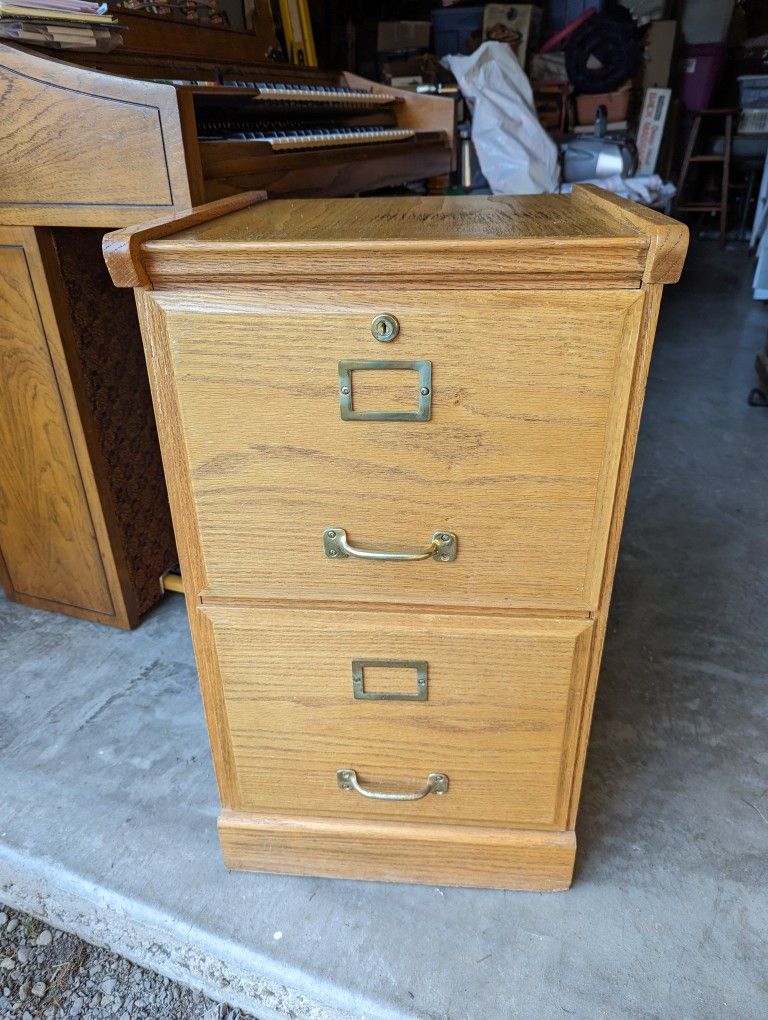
86,528
441,855
499,241
121,248
57,116
418,113
231,167
58,121
89,140
499,719
529,396
53,536
185,526
668,239
161,38
537,392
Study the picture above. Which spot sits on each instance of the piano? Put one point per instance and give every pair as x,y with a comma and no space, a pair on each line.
180,115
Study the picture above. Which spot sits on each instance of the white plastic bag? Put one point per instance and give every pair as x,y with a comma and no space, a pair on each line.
516,154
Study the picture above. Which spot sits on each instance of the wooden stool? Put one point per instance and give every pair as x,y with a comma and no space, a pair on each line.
703,206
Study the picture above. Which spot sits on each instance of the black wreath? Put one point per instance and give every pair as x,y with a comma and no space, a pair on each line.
610,38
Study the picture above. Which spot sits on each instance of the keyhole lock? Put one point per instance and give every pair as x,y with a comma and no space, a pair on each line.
385,328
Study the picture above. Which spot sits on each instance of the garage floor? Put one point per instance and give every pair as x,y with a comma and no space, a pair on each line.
108,799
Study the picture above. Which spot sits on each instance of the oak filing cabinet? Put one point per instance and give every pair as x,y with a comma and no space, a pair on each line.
398,434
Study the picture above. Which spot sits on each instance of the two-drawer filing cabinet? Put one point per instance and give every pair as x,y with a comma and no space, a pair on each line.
398,434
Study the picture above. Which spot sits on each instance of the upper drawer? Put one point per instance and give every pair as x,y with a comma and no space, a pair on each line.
528,399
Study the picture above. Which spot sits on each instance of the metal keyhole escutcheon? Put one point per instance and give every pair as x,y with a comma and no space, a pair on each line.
385,328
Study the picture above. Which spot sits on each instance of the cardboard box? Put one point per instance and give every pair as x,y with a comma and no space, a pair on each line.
409,82
657,54
516,24
650,130
407,67
616,105
395,36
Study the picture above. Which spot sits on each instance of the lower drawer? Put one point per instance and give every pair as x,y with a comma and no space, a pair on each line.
389,699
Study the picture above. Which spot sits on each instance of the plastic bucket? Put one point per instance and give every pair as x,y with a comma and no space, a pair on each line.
700,69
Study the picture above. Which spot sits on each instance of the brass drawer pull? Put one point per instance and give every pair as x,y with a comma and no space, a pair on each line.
437,783
442,548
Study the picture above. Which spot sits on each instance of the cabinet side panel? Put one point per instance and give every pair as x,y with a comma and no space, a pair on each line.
634,411
184,514
105,352
47,532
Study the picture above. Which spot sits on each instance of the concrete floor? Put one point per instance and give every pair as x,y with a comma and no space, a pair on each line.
108,799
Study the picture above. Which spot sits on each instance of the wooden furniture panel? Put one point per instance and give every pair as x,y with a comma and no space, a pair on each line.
59,123
537,389
230,169
441,855
86,528
41,481
498,718
57,117
106,366
519,458
90,141
168,40
353,241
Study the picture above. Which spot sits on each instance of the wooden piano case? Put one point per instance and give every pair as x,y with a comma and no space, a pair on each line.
398,435
90,143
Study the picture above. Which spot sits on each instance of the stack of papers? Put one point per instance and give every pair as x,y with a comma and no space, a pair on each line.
60,24
64,10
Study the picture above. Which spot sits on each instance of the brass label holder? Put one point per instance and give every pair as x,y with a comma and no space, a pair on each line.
358,680
423,370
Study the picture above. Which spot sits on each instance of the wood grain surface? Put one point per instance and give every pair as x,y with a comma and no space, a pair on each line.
89,140
82,148
668,238
442,855
501,241
232,167
122,248
499,718
432,221
106,369
47,527
536,397
186,529
519,459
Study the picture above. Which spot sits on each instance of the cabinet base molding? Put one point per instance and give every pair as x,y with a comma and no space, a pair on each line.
444,855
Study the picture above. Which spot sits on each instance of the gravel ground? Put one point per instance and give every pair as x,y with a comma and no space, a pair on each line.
51,975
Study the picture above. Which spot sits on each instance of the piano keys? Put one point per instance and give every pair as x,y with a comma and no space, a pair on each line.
290,137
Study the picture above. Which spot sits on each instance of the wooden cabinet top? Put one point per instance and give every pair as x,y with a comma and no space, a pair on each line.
589,239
